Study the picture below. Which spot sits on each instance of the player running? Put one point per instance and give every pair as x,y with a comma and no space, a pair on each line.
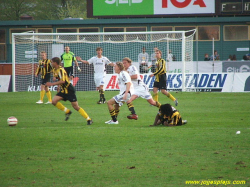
44,68
126,90
140,88
99,63
67,91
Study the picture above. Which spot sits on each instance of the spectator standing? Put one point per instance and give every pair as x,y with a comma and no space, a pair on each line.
153,60
245,58
206,58
170,56
143,60
229,58
215,56
234,58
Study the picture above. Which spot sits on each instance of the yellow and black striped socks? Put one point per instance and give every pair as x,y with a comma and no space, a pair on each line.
102,98
131,108
117,112
157,104
113,114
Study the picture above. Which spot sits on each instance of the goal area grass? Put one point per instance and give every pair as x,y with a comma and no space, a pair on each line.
45,150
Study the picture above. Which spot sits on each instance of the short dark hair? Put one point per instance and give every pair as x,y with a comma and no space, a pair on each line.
99,48
245,57
56,60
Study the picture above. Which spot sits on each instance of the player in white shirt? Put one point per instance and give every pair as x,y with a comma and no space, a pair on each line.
140,88
126,91
99,63
153,60
143,58
170,56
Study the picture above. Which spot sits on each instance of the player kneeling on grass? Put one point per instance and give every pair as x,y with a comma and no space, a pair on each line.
168,116
67,91
126,90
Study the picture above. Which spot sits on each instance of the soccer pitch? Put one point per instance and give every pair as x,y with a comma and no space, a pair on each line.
45,150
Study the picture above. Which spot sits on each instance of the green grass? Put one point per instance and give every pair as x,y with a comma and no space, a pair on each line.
44,150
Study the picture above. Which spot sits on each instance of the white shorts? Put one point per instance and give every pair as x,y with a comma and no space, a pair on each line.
99,79
142,91
119,98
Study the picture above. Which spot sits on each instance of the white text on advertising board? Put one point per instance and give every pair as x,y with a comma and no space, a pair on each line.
123,2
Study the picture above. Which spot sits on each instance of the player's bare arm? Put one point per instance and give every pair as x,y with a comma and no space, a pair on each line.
80,59
76,63
55,83
134,76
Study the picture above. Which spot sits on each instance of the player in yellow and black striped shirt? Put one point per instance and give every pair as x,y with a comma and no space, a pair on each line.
44,68
168,116
67,91
161,78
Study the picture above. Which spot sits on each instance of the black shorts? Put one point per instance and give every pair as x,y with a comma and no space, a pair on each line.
69,71
162,84
45,79
70,96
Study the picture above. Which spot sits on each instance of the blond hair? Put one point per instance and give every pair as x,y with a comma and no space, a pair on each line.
120,66
127,59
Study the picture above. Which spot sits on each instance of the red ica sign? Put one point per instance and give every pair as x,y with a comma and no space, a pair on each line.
184,6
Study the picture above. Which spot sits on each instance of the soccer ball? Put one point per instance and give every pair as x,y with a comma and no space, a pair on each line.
12,121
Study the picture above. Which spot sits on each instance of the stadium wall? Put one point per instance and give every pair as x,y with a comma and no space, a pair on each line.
225,46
